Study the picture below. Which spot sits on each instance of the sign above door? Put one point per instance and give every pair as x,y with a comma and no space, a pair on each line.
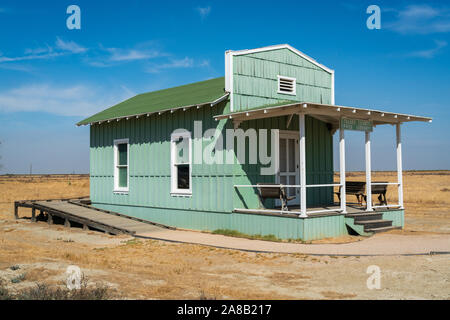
356,124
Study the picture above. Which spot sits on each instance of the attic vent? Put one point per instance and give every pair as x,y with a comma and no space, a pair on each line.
286,85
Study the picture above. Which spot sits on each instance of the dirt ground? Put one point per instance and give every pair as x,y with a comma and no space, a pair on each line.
149,269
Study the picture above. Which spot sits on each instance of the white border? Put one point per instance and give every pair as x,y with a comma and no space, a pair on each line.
282,46
118,189
174,191
332,89
229,76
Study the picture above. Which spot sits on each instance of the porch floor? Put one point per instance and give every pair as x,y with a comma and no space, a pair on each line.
294,211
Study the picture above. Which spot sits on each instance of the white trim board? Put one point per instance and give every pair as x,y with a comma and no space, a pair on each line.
229,76
281,46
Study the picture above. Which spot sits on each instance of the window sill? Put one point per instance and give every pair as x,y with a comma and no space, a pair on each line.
120,191
181,194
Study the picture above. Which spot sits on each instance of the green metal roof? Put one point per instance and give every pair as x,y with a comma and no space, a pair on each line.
197,93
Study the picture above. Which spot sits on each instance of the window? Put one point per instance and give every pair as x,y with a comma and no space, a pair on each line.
181,146
121,172
287,85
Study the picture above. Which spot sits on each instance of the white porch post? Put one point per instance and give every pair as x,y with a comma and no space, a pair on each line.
368,173
301,117
342,169
399,166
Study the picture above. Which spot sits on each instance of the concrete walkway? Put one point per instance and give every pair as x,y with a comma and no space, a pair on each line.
379,244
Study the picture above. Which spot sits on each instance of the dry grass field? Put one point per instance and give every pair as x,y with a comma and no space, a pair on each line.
147,269
426,197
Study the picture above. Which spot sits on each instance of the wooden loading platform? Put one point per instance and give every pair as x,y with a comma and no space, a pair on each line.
79,211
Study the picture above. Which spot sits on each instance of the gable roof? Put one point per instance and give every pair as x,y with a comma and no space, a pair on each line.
194,94
282,46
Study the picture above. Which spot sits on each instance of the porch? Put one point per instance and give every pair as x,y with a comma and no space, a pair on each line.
329,221
337,118
294,211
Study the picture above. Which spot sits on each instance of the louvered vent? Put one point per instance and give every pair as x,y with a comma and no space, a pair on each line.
286,85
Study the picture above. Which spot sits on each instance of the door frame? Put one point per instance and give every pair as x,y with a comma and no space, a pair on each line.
290,134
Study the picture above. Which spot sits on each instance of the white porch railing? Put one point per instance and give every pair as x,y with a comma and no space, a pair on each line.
303,213
369,183
384,184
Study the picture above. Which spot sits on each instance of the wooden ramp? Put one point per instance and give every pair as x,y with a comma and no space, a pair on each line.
89,217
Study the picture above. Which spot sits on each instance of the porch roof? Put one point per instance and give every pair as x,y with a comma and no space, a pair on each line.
325,112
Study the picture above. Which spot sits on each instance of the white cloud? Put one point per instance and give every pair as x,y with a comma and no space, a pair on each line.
127,91
78,100
420,19
430,53
180,63
121,55
98,64
204,63
47,55
16,67
40,50
69,46
61,48
102,57
108,57
204,11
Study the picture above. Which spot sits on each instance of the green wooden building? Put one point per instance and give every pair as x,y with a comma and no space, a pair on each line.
197,156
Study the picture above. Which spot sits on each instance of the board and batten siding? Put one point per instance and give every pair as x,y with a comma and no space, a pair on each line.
255,79
149,164
319,162
212,185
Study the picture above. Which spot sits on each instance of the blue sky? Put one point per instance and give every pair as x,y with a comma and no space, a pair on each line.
51,77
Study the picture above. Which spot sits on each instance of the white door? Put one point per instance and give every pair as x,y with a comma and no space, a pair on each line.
289,165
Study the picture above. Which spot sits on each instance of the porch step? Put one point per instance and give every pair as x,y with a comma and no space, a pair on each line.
382,229
364,216
374,224
368,223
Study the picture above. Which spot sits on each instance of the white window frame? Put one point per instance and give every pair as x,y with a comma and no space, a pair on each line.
118,189
174,191
294,80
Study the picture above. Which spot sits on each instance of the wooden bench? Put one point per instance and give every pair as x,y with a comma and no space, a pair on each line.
380,190
278,191
354,187
358,188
